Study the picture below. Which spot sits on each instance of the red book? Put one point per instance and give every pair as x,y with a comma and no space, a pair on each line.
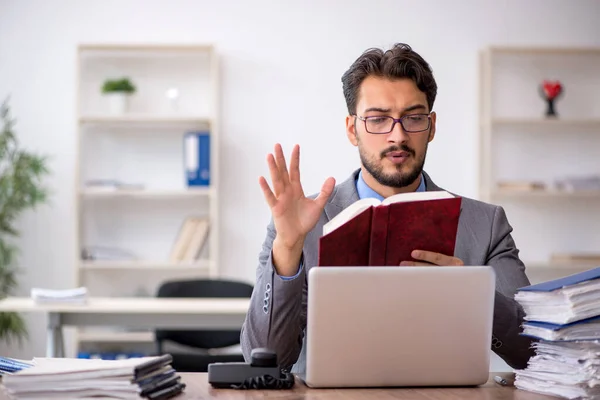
370,232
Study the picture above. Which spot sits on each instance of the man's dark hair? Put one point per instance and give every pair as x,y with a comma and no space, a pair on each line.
398,62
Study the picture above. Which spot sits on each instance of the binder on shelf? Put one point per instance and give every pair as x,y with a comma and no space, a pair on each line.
197,158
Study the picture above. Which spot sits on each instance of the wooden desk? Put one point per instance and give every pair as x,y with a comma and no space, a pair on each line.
198,388
132,312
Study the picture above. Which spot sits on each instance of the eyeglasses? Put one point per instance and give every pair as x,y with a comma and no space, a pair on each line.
410,123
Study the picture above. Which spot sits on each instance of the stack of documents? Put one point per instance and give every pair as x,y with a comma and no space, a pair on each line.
70,296
60,378
11,365
564,315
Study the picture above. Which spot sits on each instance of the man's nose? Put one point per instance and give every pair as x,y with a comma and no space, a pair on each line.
397,135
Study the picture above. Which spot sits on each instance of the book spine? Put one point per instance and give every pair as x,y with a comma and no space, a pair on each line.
379,233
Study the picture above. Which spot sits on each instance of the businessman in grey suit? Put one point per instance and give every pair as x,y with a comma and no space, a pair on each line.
390,96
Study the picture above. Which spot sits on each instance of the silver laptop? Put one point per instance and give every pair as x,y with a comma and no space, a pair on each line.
399,326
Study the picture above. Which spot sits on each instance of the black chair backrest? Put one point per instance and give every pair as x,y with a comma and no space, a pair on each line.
203,288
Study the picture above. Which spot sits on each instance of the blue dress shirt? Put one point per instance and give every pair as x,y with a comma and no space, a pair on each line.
364,191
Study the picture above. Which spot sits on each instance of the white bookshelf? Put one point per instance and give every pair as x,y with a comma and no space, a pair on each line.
143,146
518,143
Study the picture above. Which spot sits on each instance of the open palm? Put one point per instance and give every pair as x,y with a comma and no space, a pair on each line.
294,214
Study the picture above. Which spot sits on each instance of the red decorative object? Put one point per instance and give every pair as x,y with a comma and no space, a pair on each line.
550,91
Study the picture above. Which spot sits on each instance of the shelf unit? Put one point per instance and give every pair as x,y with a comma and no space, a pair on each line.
143,145
519,143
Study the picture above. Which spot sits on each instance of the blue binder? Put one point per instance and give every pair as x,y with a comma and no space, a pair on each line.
555,327
9,365
570,280
196,150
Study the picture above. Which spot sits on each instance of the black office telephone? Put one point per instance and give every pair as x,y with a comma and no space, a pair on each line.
261,373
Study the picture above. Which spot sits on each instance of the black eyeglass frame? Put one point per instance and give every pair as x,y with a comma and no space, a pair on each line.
396,120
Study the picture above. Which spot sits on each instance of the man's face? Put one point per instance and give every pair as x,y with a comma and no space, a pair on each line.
396,158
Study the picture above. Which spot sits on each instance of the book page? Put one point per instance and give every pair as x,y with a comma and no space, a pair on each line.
417,196
348,213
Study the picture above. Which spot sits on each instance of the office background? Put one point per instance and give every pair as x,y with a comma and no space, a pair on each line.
281,64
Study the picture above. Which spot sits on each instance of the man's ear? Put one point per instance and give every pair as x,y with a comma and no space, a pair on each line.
432,128
351,130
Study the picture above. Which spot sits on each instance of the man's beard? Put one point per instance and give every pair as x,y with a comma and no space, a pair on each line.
398,179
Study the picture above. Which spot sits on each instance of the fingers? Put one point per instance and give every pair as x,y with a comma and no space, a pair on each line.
325,192
436,258
280,160
415,264
275,175
269,196
295,165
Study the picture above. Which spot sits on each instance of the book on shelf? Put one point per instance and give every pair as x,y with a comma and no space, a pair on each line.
564,316
521,185
190,240
578,183
370,232
107,253
59,378
68,296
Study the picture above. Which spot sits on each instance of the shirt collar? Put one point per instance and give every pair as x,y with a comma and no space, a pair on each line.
364,191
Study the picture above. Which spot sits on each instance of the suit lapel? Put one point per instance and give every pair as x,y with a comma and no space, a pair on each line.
429,185
343,195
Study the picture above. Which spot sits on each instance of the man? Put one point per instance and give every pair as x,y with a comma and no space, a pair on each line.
390,98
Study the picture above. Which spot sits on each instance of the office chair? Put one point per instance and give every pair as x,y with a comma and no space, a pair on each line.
201,339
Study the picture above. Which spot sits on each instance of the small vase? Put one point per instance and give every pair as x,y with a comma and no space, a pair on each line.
550,108
118,103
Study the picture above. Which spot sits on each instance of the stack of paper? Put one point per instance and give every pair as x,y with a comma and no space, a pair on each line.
76,296
60,378
564,315
12,365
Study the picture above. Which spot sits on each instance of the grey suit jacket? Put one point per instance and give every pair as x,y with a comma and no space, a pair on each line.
277,315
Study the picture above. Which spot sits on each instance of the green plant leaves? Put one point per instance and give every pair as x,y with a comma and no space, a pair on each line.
118,85
21,188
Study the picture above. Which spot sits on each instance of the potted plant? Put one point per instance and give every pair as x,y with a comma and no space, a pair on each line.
118,91
21,188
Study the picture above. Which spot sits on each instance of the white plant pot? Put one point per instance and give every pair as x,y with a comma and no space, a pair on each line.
118,103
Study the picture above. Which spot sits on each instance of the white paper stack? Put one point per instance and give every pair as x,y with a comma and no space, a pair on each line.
61,378
564,315
74,296
566,369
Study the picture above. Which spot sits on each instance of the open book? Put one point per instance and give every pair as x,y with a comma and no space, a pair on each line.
382,233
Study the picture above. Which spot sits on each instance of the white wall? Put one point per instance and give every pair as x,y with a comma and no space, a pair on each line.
281,64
